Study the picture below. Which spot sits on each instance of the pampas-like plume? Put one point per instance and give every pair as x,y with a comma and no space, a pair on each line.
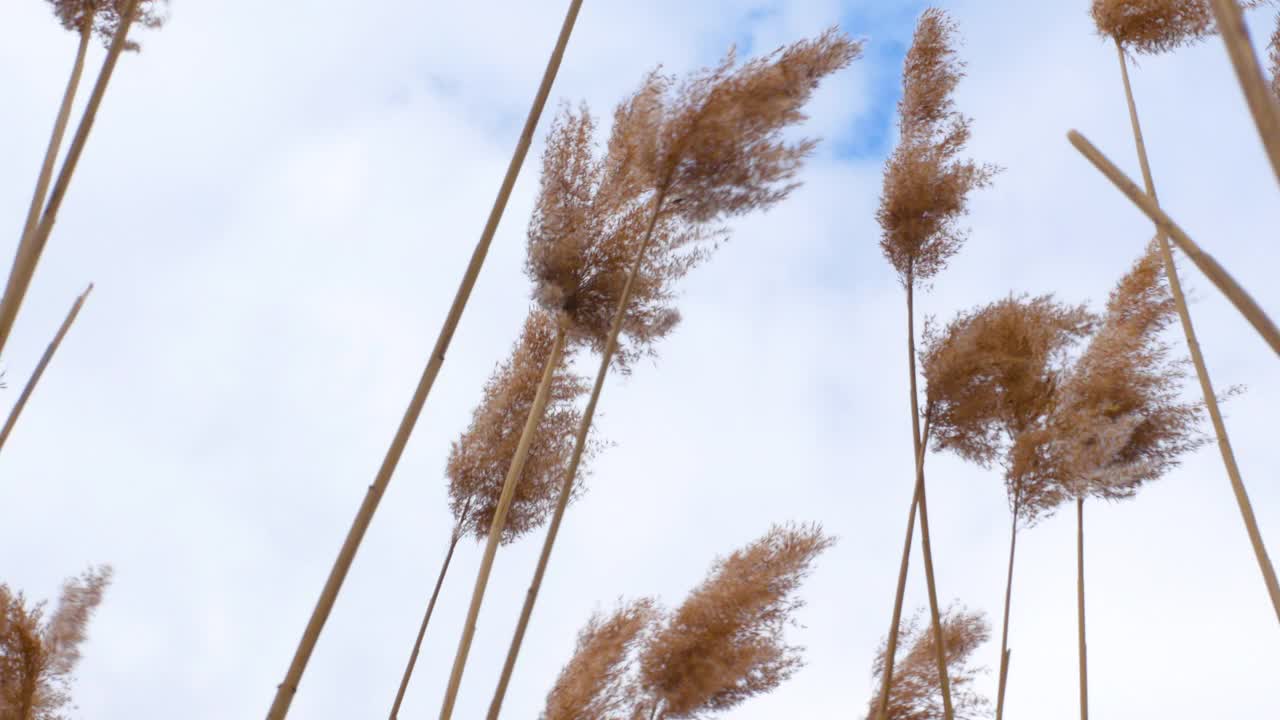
595,685
696,152
38,655
364,515
917,690
992,377
111,19
725,644
1151,27
1274,55
926,189
479,459
1120,422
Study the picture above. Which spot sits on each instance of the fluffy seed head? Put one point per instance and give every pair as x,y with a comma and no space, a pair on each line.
926,187
105,15
916,693
725,643
1274,48
479,460
1151,27
594,685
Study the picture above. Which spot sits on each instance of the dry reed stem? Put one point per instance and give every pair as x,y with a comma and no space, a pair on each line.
1084,664
59,130
715,149
1202,372
32,243
499,521
328,595
1262,104
918,693
1004,625
1210,267
40,367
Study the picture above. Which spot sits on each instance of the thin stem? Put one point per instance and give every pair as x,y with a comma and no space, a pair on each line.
44,363
891,648
1008,597
940,646
1210,267
1084,669
422,631
1197,357
59,129
579,445
288,688
32,244
1266,114
527,435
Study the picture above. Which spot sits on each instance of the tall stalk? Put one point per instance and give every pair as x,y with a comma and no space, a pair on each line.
1084,667
1265,110
1197,358
426,618
287,689
44,363
891,646
500,519
1008,597
59,129
940,648
33,242
579,445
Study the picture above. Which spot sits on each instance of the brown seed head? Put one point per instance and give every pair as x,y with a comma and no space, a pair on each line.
916,693
594,685
38,656
105,16
479,460
1151,27
725,643
1274,48
926,187
1120,421
992,375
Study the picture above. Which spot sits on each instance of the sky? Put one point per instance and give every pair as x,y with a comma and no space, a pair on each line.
276,206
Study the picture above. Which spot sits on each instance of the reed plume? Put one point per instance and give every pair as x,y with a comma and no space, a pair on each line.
926,189
598,682
1273,48
364,514
693,153
917,691
1181,30
992,375
1152,27
479,459
725,643
1119,421
38,655
111,20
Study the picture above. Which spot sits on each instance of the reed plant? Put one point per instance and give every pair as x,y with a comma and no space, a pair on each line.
917,691
286,690
926,189
696,153
1229,16
39,654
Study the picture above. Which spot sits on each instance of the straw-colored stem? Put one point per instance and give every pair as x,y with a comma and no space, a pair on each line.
571,474
527,435
1266,113
59,129
891,646
422,631
32,244
44,363
940,646
1197,357
1084,664
1008,598
1210,267
287,689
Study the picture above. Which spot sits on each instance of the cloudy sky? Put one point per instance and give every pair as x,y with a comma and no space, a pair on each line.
276,206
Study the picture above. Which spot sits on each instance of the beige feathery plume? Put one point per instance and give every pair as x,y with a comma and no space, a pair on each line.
1156,26
39,655
926,189
1273,48
694,153
595,684
725,644
917,690
104,16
